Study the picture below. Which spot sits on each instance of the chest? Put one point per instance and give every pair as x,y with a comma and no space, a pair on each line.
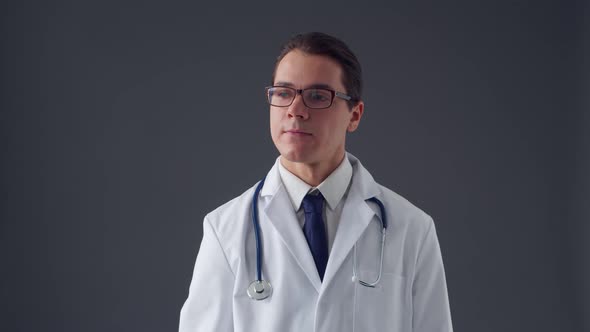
340,303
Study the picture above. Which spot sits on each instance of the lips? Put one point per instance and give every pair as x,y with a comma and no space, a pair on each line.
297,132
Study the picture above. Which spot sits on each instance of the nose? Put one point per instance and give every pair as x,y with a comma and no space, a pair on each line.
298,109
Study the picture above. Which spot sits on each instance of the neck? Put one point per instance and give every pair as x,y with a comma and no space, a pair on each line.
312,173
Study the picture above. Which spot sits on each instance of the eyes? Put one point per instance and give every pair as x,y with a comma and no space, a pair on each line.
316,98
310,94
284,93
313,98
318,95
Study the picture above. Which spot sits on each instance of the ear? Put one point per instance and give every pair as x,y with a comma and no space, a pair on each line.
355,116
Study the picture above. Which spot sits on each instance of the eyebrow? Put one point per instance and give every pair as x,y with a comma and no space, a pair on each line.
311,86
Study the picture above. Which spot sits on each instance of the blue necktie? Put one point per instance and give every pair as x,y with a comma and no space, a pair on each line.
315,231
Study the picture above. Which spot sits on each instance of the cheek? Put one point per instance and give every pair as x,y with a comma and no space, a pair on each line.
336,127
275,123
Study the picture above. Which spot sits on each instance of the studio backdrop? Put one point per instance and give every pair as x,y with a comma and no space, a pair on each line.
123,123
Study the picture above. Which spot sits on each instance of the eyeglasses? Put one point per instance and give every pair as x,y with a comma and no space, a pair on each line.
316,98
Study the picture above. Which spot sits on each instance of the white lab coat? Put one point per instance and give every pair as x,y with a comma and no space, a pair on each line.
411,296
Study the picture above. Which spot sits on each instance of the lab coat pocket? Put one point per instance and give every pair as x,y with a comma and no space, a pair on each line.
384,307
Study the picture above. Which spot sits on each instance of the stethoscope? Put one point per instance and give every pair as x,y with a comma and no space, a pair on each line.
260,289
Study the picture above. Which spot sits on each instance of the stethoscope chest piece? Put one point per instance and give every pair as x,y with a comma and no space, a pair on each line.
259,290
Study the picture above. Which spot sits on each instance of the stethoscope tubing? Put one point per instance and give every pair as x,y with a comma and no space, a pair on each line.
257,229
261,289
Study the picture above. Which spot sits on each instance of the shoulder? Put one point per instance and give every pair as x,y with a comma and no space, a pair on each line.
400,211
232,213
403,213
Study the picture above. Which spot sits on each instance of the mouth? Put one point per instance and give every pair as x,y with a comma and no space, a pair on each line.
297,132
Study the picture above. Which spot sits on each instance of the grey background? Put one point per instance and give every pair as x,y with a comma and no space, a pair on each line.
123,124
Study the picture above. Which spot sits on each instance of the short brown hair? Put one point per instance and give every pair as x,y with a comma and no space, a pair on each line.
318,43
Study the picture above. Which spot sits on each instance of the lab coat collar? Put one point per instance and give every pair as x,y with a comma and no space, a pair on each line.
273,179
332,188
279,211
356,215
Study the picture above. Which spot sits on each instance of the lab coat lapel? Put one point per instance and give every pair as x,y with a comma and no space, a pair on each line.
356,215
281,215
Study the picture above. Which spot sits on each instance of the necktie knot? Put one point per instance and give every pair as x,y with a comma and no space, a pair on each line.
313,203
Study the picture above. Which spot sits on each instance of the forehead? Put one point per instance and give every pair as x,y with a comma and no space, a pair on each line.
302,69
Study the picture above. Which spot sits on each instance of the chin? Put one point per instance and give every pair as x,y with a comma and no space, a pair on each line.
298,156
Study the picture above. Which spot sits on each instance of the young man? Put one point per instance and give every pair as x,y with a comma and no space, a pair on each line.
317,245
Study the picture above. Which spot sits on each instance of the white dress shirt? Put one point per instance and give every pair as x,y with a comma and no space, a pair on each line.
334,189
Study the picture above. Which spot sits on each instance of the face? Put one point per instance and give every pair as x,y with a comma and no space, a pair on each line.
312,136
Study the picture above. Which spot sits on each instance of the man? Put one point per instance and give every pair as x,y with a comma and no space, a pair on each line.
318,220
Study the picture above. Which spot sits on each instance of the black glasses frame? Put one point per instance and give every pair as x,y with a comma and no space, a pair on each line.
300,92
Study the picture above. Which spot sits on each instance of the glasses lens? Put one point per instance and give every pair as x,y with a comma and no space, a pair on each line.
317,98
280,96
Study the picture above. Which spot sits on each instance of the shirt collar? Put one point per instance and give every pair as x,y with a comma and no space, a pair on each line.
332,188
